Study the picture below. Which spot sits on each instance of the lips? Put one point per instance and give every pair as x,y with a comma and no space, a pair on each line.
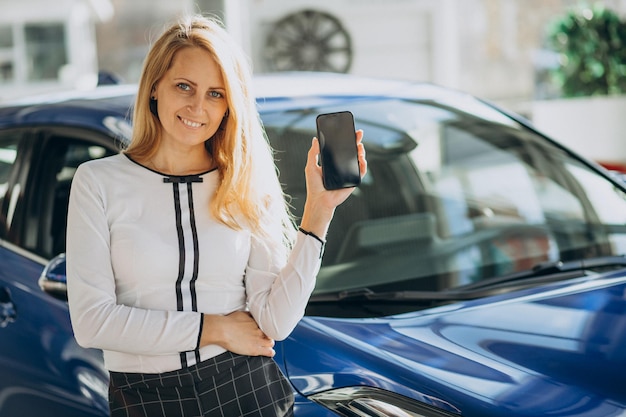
190,123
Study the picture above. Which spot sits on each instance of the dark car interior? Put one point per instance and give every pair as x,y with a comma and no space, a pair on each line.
36,205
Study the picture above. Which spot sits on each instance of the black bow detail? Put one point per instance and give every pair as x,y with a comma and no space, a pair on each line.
183,179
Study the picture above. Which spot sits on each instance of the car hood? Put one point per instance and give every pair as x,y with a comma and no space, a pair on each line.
532,353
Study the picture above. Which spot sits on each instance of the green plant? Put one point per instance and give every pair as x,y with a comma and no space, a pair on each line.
591,43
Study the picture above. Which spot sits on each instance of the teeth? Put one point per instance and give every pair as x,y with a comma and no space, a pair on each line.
190,123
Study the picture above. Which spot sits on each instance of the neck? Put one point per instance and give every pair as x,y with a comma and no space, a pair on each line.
189,164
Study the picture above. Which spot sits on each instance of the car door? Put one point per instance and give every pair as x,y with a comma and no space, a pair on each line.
42,369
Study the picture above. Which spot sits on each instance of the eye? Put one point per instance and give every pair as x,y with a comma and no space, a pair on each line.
184,86
215,94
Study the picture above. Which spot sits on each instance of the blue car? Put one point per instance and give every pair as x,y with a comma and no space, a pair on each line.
477,271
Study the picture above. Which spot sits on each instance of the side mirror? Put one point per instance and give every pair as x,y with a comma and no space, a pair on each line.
53,279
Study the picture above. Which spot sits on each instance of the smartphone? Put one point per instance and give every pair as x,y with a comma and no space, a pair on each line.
338,151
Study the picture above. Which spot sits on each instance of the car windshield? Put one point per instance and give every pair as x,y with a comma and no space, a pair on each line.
454,195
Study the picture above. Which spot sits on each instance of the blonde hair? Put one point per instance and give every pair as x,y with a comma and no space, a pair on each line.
249,192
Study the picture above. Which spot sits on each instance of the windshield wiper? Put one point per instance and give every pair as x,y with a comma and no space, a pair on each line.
541,273
366,294
550,270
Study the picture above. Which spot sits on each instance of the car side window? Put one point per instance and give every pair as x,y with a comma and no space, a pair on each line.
8,154
9,142
76,153
48,197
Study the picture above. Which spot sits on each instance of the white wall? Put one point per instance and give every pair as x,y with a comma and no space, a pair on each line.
410,39
77,18
595,127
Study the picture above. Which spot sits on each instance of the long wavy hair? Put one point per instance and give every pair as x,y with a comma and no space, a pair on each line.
249,194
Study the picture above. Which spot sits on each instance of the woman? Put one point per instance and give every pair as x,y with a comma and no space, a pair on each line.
183,263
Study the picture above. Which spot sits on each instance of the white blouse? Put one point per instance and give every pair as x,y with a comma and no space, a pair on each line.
145,260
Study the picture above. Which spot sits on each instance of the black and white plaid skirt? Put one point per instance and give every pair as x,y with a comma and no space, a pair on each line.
228,385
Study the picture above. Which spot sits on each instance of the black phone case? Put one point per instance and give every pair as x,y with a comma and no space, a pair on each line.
338,151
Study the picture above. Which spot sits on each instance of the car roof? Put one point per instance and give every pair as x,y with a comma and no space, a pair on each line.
276,91
302,84
311,89
90,109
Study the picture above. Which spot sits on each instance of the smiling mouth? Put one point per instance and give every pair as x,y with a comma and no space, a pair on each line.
190,123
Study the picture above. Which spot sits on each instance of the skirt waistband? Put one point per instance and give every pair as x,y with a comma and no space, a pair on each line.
180,377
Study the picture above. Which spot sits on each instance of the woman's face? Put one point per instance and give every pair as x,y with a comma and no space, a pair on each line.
191,98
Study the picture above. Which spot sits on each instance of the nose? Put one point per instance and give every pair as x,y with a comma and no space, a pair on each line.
196,104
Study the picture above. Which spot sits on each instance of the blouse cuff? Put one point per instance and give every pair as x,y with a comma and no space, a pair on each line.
200,330
316,237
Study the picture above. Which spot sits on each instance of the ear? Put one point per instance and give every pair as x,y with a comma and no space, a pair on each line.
153,94
153,107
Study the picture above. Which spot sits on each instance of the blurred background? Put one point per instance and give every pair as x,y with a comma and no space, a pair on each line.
560,63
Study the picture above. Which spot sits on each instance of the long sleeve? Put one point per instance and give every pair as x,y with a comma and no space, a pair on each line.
277,293
98,319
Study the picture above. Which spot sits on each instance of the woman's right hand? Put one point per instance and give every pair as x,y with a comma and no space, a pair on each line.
320,204
237,332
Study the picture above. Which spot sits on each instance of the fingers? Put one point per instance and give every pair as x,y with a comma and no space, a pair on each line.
315,146
314,150
266,348
312,156
244,336
361,153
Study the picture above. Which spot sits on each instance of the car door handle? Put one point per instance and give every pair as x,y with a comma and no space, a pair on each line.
8,313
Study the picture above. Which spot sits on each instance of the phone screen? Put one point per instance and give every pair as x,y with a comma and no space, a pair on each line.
338,151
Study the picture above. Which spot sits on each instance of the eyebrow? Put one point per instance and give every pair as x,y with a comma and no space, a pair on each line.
188,81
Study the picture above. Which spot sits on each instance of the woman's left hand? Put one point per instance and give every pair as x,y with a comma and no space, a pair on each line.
321,203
